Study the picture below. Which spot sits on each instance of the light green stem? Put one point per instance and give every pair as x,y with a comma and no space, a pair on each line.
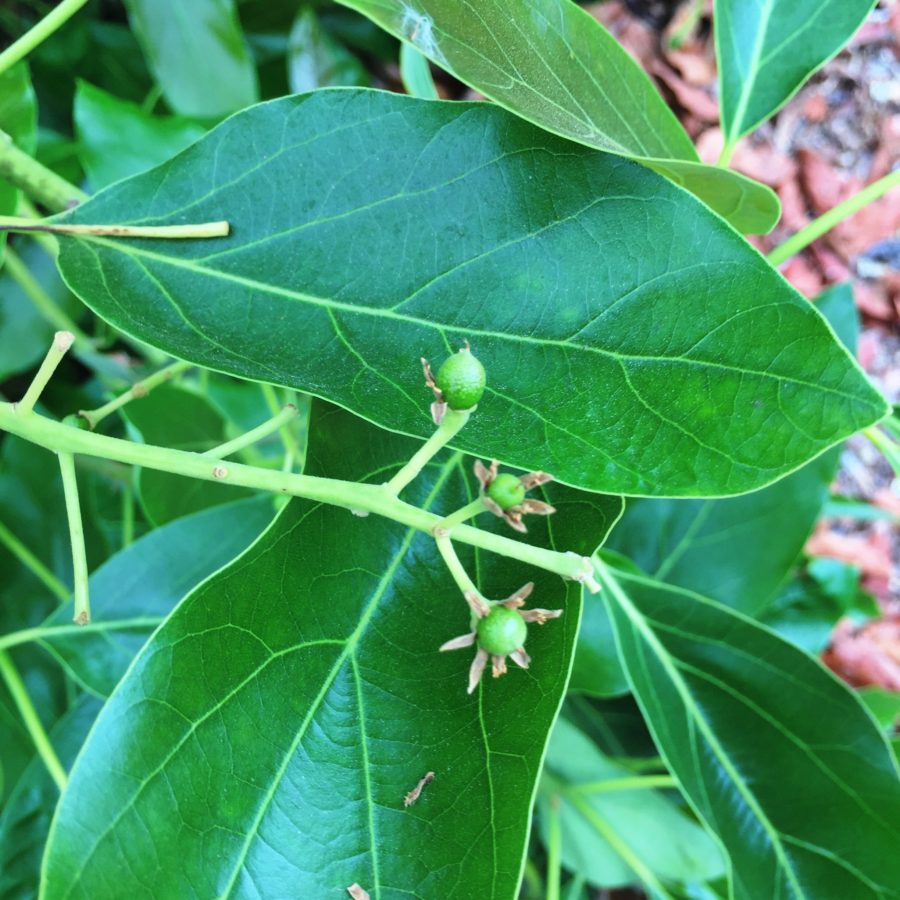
177,232
818,227
255,434
888,448
892,426
460,575
47,241
637,782
62,340
42,744
370,498
48,632
450,425
82,611
153,97
727,152
42,301
688,24
31,562
56,18
554,849
140,389
39,182
612,837
469,511
127,515
292,448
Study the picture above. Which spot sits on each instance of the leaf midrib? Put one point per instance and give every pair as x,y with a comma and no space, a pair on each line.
749,82
348,653
696,716
388,313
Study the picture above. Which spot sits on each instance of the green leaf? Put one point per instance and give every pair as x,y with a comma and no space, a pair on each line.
139,586
175,417
552,63
767,49
25,820
737,551
197,53
416,73
315,59
613,829
453,222
18,118
323,637
581,524
775,753
117,138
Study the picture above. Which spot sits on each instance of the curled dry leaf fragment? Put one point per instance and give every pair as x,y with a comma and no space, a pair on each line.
413,795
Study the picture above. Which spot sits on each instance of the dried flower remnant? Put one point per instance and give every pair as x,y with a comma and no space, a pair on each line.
496,490
498,634
413,795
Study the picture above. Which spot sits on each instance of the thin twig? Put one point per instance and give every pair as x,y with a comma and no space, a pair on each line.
30,718
135,392
62,340
82,611
39,33
178,232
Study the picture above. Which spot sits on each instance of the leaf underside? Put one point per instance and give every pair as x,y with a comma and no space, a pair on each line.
552,63
773,751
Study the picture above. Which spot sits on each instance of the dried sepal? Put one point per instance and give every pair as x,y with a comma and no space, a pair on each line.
537,508
479,606
477,667
457,643
540,616
535,479
520,658
512,515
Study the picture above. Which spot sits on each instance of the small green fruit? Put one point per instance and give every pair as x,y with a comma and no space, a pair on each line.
506,490
461,380
501,631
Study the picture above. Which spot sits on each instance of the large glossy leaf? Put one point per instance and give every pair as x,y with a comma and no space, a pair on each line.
775,753
738,551
304,682
197,52
117,138
138,587
613,830
552,63
767,48
371,229
25,819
